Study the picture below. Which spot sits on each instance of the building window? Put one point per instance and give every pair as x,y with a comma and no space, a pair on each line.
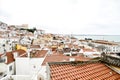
113,50
1,73
10,68
3,45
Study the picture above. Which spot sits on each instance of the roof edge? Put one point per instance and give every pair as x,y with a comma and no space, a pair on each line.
75,62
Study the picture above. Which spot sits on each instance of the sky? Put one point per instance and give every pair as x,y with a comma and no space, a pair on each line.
100,17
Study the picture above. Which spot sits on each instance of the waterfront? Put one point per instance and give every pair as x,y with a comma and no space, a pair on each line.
115,38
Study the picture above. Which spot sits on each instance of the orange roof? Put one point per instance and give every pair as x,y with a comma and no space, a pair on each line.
88,50
10,56
40,53
34,46
1,55
81,71
57,57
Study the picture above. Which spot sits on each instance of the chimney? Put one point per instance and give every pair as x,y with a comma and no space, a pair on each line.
15,54
28,53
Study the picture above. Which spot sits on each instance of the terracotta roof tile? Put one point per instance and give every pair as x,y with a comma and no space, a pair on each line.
10,56
88,50
57,57
20,51
40,53
1,55
35,46
88,71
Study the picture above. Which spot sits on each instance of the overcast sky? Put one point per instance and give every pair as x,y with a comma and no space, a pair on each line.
64,16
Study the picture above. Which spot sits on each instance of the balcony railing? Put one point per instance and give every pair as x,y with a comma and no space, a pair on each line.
111,60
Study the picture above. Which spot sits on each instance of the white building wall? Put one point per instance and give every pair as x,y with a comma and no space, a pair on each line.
1,48
3,26
8,45
35,64
16,77
43,72
91,54
12,70
114,49
28,66
22,66
2,40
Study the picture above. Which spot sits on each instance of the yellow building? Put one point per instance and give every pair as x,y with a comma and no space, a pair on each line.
21,47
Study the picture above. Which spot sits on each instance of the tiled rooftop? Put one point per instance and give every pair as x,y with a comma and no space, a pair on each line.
58,57
1,55
10,56
88,50
80,71
35,46
40,53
